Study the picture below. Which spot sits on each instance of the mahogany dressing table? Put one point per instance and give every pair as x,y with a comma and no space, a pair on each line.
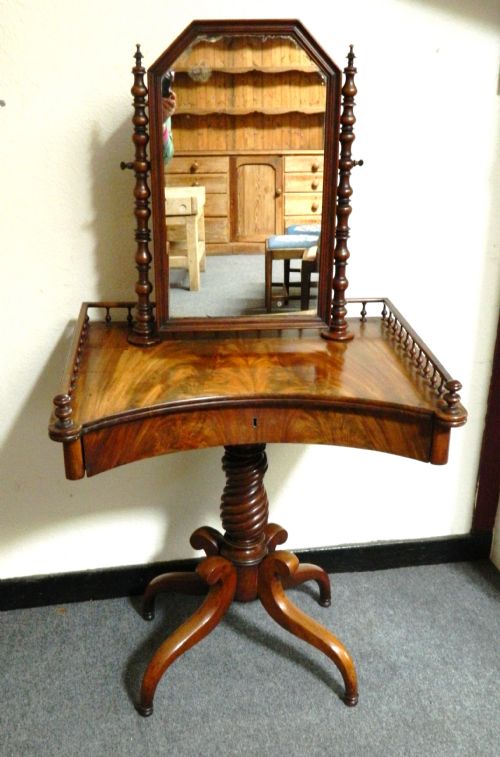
140,383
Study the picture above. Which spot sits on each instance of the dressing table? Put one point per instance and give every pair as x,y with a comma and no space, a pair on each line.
141,381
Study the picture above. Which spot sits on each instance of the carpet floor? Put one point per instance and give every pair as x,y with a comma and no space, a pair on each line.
424,640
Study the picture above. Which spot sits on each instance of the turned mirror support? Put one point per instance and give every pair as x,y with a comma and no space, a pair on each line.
338,330
242,565
144,328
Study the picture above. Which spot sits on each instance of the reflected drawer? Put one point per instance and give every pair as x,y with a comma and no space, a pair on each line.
216,230
303,182
299,203
216,205
304,163
293,220
194,165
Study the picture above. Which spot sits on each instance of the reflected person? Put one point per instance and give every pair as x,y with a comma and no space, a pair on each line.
168,105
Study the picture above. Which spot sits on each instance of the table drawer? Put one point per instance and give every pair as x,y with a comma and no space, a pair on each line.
299,203
195,165
304,163
409,435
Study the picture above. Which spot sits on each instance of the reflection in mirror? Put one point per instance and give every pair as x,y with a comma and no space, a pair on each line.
243,188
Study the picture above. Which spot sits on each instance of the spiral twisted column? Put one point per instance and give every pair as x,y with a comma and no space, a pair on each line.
244,513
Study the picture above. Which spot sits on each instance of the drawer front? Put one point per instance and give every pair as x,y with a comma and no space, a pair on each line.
304,163
299,203
216,205
194,165
116,445
303,182
215,182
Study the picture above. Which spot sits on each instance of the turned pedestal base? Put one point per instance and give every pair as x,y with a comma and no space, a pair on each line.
242,564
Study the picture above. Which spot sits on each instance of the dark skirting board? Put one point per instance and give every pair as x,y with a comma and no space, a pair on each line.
109,583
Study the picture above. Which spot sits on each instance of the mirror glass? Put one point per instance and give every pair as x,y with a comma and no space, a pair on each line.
245,205
246,175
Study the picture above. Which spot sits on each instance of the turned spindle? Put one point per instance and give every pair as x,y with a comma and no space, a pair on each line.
144,328
338,329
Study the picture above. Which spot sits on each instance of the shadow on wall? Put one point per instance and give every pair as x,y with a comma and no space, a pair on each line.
113,225
53,525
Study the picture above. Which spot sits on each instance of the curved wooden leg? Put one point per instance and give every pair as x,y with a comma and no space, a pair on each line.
184,583
275,570
220,575
309,572
206,538
276,535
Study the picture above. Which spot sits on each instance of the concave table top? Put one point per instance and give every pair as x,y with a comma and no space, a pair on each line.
381,390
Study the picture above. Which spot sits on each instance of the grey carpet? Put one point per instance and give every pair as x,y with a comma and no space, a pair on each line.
425,642
230,285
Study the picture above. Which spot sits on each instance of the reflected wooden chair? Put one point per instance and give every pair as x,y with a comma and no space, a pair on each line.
309,266
304,228
289,247
309,263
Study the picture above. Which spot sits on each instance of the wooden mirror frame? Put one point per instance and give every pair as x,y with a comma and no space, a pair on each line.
333,77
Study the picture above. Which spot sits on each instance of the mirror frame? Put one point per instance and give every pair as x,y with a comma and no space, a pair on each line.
333,76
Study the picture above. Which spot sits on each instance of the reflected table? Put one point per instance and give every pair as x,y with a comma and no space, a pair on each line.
185,213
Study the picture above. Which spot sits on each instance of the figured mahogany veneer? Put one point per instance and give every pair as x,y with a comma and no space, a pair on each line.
122,404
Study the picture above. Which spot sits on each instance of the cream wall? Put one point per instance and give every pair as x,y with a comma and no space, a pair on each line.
424,233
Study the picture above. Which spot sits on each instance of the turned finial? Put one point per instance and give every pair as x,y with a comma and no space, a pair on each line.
138,55
452,397
63,411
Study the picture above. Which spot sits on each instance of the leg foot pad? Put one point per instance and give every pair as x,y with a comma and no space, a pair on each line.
144,710
350,701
